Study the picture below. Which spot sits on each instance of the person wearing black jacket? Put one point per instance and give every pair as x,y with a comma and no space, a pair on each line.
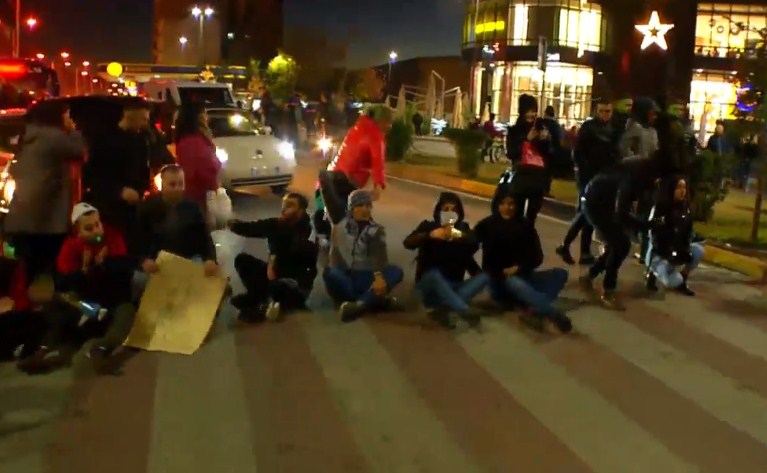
446,247
117,173
596,151
285,281
168,222
671,237
511,255
530,149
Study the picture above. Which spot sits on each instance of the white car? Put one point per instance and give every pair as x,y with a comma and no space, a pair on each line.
250,156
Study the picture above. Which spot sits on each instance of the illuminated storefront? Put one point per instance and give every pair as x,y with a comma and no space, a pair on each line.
712,97
501,38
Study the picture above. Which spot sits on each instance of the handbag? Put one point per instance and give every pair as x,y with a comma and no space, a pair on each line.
531,156
219,209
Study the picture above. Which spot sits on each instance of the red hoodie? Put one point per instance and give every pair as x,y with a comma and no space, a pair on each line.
363,153
70,258
196,155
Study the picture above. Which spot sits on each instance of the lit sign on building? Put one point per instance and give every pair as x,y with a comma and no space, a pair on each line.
654,32
490,27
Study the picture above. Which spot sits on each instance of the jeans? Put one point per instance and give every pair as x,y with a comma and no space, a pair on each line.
537,291
580,224
141,279
252,273
644,207
617,247
354,285
436,291
669,274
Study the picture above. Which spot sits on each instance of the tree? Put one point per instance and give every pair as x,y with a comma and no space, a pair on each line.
255,77
367,85
751,109
281,77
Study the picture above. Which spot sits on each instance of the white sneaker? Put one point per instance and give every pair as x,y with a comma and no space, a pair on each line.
273,312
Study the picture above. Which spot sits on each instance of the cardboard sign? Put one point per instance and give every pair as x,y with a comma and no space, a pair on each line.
178,307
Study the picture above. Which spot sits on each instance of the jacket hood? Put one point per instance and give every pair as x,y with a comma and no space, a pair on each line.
449,197
367,124
641,110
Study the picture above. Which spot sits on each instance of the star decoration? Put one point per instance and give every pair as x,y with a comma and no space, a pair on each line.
654,32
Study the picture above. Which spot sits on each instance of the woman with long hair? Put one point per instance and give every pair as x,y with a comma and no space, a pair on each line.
196,153
48,163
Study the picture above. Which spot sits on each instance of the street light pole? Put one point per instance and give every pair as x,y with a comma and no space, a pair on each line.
392,58
201,15
17,41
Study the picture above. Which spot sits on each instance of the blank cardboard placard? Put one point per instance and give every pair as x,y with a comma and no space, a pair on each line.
178,307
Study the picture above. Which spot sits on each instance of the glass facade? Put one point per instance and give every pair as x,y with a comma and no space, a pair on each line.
712,97
727,30
568,23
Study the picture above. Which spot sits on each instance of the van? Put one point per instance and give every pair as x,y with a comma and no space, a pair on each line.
211,94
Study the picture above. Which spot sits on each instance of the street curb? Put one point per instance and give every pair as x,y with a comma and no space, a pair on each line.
747,265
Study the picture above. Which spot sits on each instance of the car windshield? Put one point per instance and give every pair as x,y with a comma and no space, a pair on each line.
232,123
210,96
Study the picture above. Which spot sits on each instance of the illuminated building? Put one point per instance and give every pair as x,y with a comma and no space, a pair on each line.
594,48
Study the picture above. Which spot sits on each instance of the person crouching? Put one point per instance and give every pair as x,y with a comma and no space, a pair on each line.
285,281
359,275
446,247
670,239
93,270
511,254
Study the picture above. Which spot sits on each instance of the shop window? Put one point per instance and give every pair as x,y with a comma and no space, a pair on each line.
568,89
729,31
497,87
713,95
581,29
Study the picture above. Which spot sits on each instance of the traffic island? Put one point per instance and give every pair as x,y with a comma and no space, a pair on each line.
433,174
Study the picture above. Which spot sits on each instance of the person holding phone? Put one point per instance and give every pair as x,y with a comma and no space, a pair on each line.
530,150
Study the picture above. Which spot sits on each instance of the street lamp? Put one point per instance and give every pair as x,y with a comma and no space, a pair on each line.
31,22
392,57
64,55
183,40
40,56
201,14
86,63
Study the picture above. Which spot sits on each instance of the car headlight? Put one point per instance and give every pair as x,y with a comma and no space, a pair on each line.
287,151
324,144
222,155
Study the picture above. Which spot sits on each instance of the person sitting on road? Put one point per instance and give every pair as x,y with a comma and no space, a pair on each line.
511,254
284,282
362,156
93,270
170,222
670,238
446,247
358,275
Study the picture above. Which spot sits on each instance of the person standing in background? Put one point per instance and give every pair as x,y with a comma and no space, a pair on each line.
196,154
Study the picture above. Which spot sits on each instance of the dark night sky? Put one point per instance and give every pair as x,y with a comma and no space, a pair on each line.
100,30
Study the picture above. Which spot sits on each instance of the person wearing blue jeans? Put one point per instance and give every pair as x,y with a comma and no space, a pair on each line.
359,275
446,247
511,254
671,233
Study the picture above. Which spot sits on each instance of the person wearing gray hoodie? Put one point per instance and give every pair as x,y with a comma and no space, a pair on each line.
38,215
358,275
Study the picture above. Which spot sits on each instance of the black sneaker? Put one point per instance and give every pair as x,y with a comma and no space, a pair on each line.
586,260
562,322
564,253
685,290
472,317
442,317
611,301
252,314
351,311
242,301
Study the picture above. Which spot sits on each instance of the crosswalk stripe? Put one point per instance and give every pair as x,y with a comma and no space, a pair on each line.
604,438
188,435
475,408
719,395
697,315
394,429
291,408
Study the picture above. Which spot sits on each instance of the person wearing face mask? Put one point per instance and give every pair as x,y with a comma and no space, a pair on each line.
92,270
117,173
358,275
511,255
530,150
283,282
671,237
168,221
446,247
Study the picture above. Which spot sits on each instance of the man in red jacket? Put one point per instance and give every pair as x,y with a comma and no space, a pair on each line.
362,156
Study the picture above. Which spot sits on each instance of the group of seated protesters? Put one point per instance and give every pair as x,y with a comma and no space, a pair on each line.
98,284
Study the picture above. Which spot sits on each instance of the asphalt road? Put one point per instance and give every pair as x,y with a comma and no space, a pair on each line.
672,385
